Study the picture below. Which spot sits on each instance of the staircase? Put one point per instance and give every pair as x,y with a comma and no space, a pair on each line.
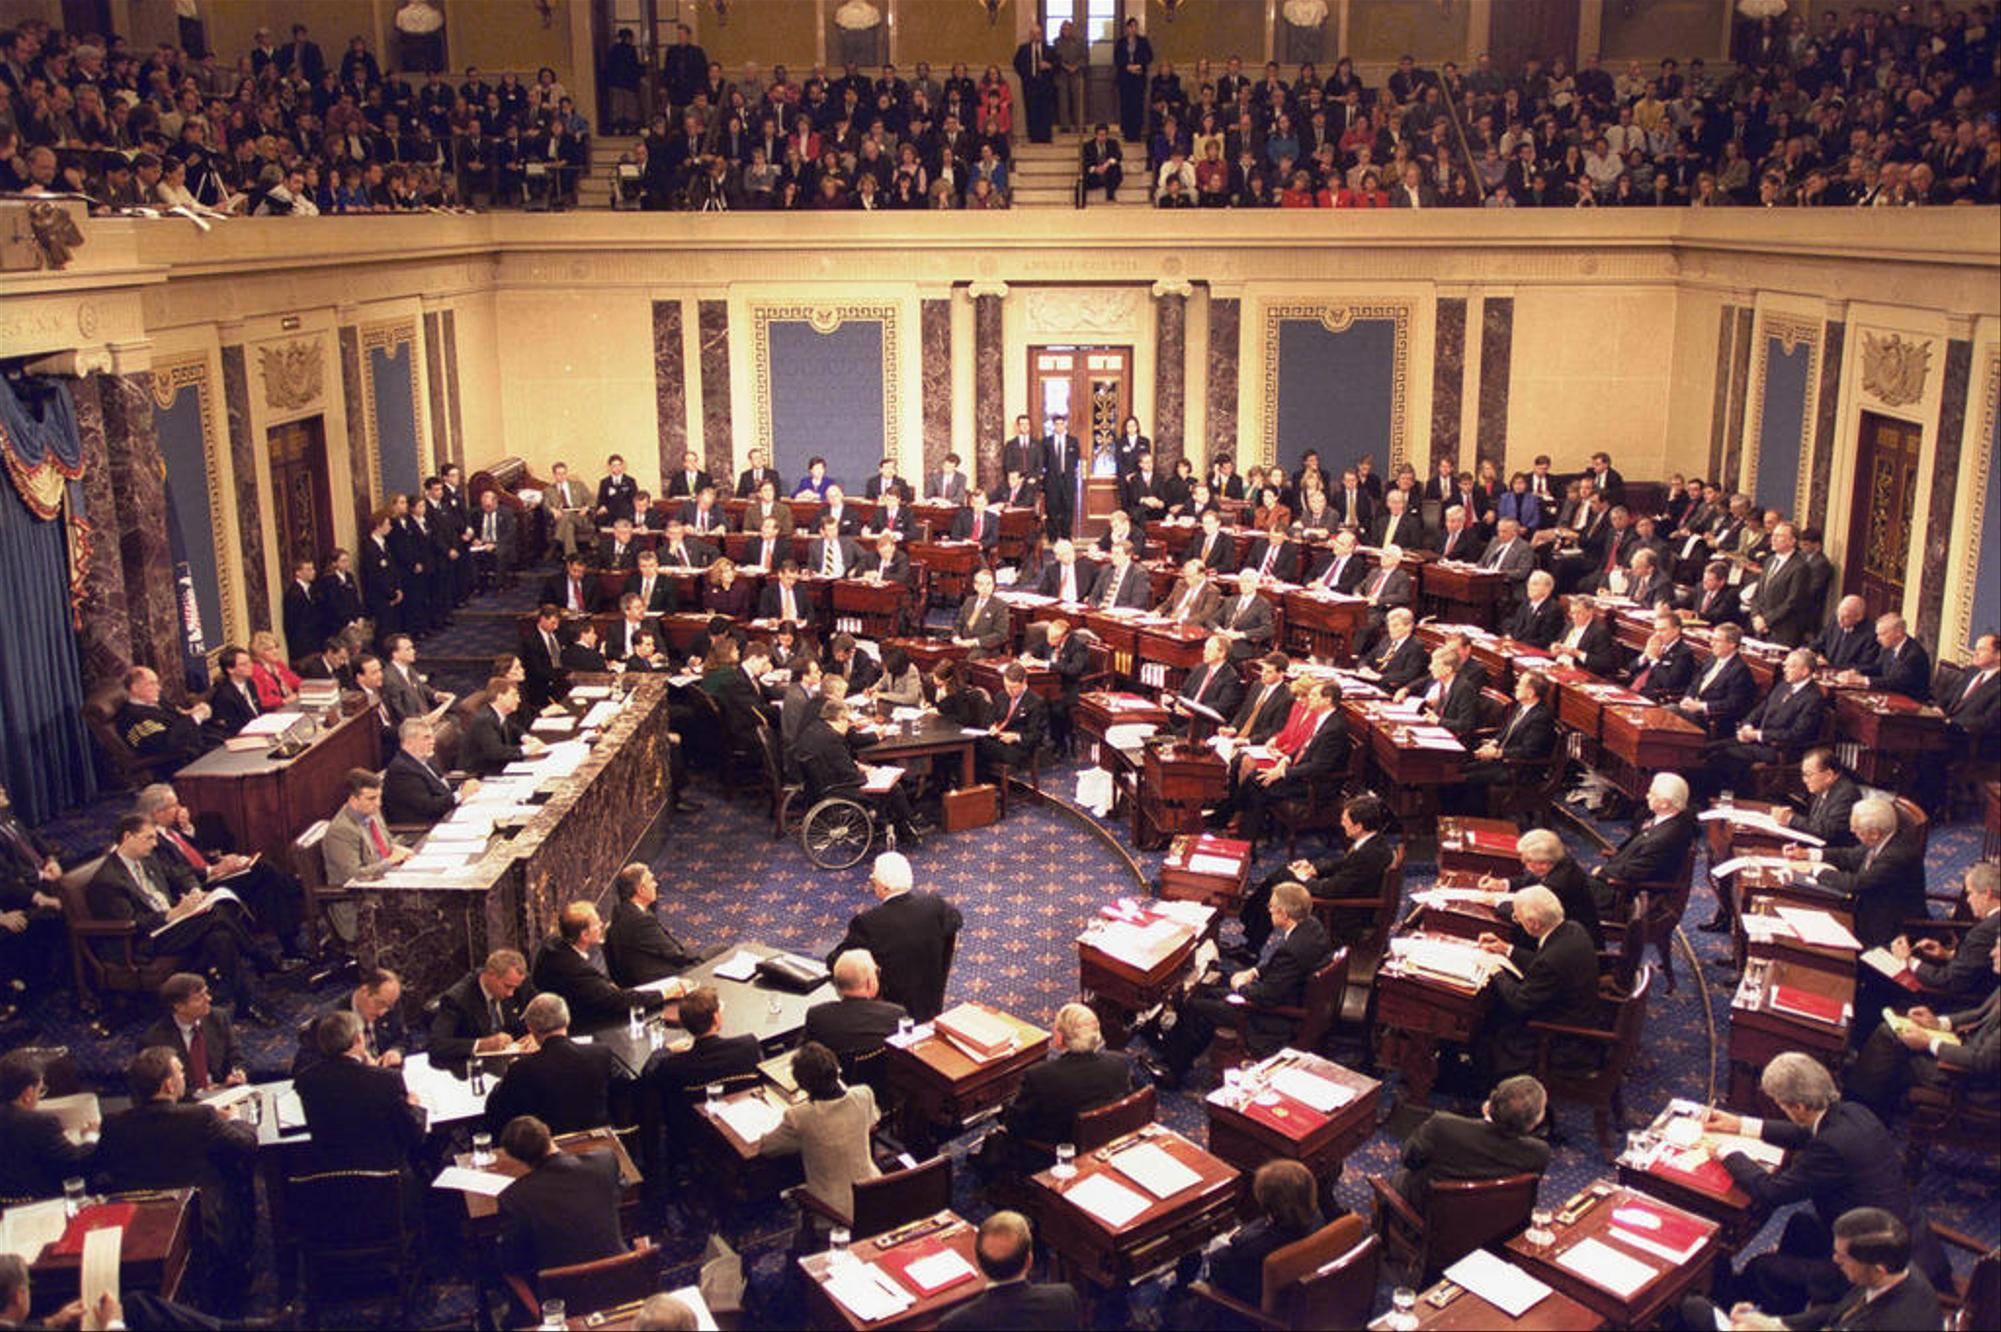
596,189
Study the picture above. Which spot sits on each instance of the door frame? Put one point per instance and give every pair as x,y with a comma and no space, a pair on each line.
1868,425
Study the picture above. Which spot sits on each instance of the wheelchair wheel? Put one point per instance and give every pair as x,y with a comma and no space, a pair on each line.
836,833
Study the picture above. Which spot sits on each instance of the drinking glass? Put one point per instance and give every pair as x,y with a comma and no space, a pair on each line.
904,1026
1403,1309
1727,799
73,1195
774,1006
1066,1160
838,1256
482,1149
715,1095
1539,1233
555,1315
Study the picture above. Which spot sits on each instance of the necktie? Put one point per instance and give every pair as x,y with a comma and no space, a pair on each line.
19,845
198,1074
1376,583
646,591
1202,683
1013,703
493,1017
1271,554
149,887
379,838
1612,555
492,527
1640,680
549,646
188,853
576,594
1111,591
1069,582
1333,578
827,560
1509,729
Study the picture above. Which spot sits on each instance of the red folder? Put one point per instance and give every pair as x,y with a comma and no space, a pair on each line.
1293,1118
1710,1176
1804,1003
899,1259
1491,841
1678,1230
98,1216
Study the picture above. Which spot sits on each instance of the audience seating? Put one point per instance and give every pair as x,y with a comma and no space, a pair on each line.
1326,1280
1459,1217
1602,1088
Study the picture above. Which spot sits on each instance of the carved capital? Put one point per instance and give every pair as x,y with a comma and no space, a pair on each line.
1181,287
979,289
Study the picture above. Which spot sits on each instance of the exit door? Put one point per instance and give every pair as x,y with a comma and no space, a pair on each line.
1093,388
1884,510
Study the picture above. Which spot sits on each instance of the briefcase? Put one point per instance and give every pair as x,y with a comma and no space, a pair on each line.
789,971
971,807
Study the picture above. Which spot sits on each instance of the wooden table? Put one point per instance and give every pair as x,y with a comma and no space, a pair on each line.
1177,781
1463,1311
1759,1033
1414,1013
1709,1194
1119,984
1638,742
1043,682
929,737
746,1172
1323,624
938,1085
1410,772
1115,629
1884,736
153,1256
1645,1305
747,1005
1465,592
1479,846
1167,652
868,609
1087,1250
1254,1123
944,1231
265,801
1222,886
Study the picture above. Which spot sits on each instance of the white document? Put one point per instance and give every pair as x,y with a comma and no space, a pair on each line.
434,862
867,1292
939,1270
739,968
1736,863
1108,1200
448,1098
271,723
76,1112
973,730
749,1117
1879,957
1201,864
1498,1282
486,1183
1311,1089
1818,928
1606,1268
228,1096
291,1110
1759,821
672,987
99,1274
589,693
1150,1167
1764,1153
553,725
29,1227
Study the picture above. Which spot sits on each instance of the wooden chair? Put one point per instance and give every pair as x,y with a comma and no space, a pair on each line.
1532,786
309,868
339,1259
1667,901
1319,812
1004,776
1460,1215
104,957
586,1288
1911,818
884,1203
120,767
1946,1116
1312,1019
1626,944
1973,1303
1326,1280
1365,954
782,792
1603,1088
1113,1120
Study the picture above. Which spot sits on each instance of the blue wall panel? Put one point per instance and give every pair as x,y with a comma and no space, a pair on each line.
1335,392
185,452
393,370
1987,581
1780,432
826,399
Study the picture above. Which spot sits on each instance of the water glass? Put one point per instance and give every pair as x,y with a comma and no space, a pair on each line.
838,1256
478,1078
1403,1309
715,1096
1727,799
904,1026
775,1006
482,1149
636,1022
1539,1233
554,1315
73,1195
1637,1143
1233,1084
1066,1160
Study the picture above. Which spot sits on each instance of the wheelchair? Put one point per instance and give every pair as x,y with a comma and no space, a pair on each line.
837,832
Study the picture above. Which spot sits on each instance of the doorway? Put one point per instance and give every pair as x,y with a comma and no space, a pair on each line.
1538,29
1093,387
1887,460
301,497
1097,21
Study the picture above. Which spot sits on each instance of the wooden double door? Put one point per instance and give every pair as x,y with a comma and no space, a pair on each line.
1093,388
301,494
1884,513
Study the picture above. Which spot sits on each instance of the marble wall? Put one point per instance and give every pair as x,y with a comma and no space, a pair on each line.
1833,338
1497,344
1719,413
353,390
935,315
138,485
434,377
989,377
1448,381
243,462
670,384
1740,385
1170,379
454,415
1225,326
1945,496
718,441
105,638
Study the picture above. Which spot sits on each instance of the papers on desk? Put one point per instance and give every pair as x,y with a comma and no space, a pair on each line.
1606,1268
739,968
486,1183
866,1291
98,1276
448,1098
590,693
1672,1238
599,715
1766,1154
76,1113
1106,1199
1141,945
226,1097
1409,710
902,714
1445,897
271,723
1201,864
1129,735
1434,737
1149,1166
1498,1282
1453,960
28,1228
1312,1090
1818,928
441,860
1761,822
933,1272
1780,863
749,1117
291,1110
669,987
553,725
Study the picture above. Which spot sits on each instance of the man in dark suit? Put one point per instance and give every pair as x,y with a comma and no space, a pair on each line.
688,482
35,1156
488,745
361,1116
1020,722
1546,861
1005,1249
857,1024
1273,554
129,886
1064,576
1296,948
381,582
413,790
574,590
1020,490
233,701
1887,1292
1122,584
565,1085
303,625
1715,600
330,662
1266,704
1068,657
1653,851
1355,873
1882,876
756,475
1083,1076
1527,736
854,667
202,1037
1460,540
1967,1042
1784,723
1499,1143
702,518
1213,546
831,554
1783,607
1245,618
1455,702
1847,644
1558,982
1902,666
658,594
1021,453
33,948
1723,692
638,949
406,693
338,595
571,963
1586,642
167,1142
1193,599
543,676
783,598
910,934
585,656
481,1012
564,1211
1143,492
1397,660
496,547
682,549
375,1001
1389,587
1538,621
1398,526
1665,667
1839,1157
682,1078
1961,977
948,484
1973,707
1213,684
1831,796
1060,465
982,622
615,493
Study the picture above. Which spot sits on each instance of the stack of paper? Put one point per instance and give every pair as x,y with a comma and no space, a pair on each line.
934,1272
28,1227
76,1113
1107,1199
590,693
749,1117
1150,1167
1142,945
1818,928
450,1098
1498,1282
270,723
739,968
1310,1089
486,1183
1464,963
866,1291
1757,820
1606,1268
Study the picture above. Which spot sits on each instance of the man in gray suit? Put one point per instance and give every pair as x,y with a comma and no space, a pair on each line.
495,546
1782,606
982,623
1511,554
403,690
356,838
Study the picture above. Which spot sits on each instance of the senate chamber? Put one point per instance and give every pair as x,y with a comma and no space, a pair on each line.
577,754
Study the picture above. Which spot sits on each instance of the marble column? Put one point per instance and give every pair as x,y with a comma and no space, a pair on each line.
105,636
1497,343
670,385
1719,406
1945,493
139,489
1225,316
243,462
1170,373
1828,410
354,394
1448,381
936,334
718,440
1740,391
989,368
434,375
451,323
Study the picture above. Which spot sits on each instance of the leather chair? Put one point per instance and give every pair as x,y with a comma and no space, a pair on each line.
1326,1280
1667,902
782,792
888,1201
104,957
1315,1015
1603,1088
120,767
339,1258
309,868
587,1288
1460,1215
1974,1301
1105,1123
1947,1117
1365,954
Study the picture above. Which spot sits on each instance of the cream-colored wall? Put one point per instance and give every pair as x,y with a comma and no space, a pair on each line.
1592,368
576,379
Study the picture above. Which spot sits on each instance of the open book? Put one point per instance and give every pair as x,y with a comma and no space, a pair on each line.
211,898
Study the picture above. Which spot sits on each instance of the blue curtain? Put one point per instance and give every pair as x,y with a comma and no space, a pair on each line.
45,754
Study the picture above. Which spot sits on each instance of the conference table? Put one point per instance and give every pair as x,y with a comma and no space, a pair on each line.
923,740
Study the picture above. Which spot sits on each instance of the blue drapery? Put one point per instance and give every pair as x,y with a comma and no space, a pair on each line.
45,755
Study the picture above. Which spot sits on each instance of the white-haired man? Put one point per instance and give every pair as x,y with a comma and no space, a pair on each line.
857,1023
1558,983
909,933
1654,849
1082,1076
1883,876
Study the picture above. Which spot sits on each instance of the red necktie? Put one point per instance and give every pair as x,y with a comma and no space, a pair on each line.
192,856
1271,553
375,835
1612,555
1013,703
198,1075
576,595
1640,680
1382,576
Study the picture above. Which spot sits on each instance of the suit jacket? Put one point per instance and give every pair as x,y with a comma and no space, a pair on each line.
1527,734
1215,688
684,1076
1281,982
113,894
615,497
218,1041
780,512
707,528
1135,487
556,592
1572,887
589,660
952,491
1456,1147
1400,664
595,1000
486,747
770,608
1133,592
1459,709
346,849
1465,546
1884,891
1559,981
1669,678
1071,660
565,1085
1050,584
1284,562
1847,649
1260,718
1908,672
1848,1160
1252,619
1017,1306
1515,558
543,668
1651,852
816,554
680,486
1965,979
359,1116
230,709
903,522
1598,649
1219,554
1720,606
612,556
1392,588
988,624
750,479
413,791
693,553
171,1145
638,949
406,697
1539,625
1786,600
465,1016
855,1029
962,527
1023,496
1826,815
563,1212
1912,1302
1059,480
303,626
663,599
1357,872
1056,1091
379,580
1975,711
1790,719
912,937
1979,1048
1358,514
1729,695
506,539
1192,606
35,1157
1406,532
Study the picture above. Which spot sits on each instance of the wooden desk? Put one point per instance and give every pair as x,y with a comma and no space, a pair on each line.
929,737
1086,1249
1463,1311
1177,780
1581,700
746,1173
1255,1124
939,1086
1414,1013
1463,920
483,1213
952,565
1883,736
153,1256
866,609
1759,1033
265,801
1098,710
1115,630
934,517
1479,846
1167,652
1639,742
1323,624
1711,1194
926,653
1222,887
1835,960
1119,984
962,1237
1462,592
1411,773
1645,1305
1043,682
